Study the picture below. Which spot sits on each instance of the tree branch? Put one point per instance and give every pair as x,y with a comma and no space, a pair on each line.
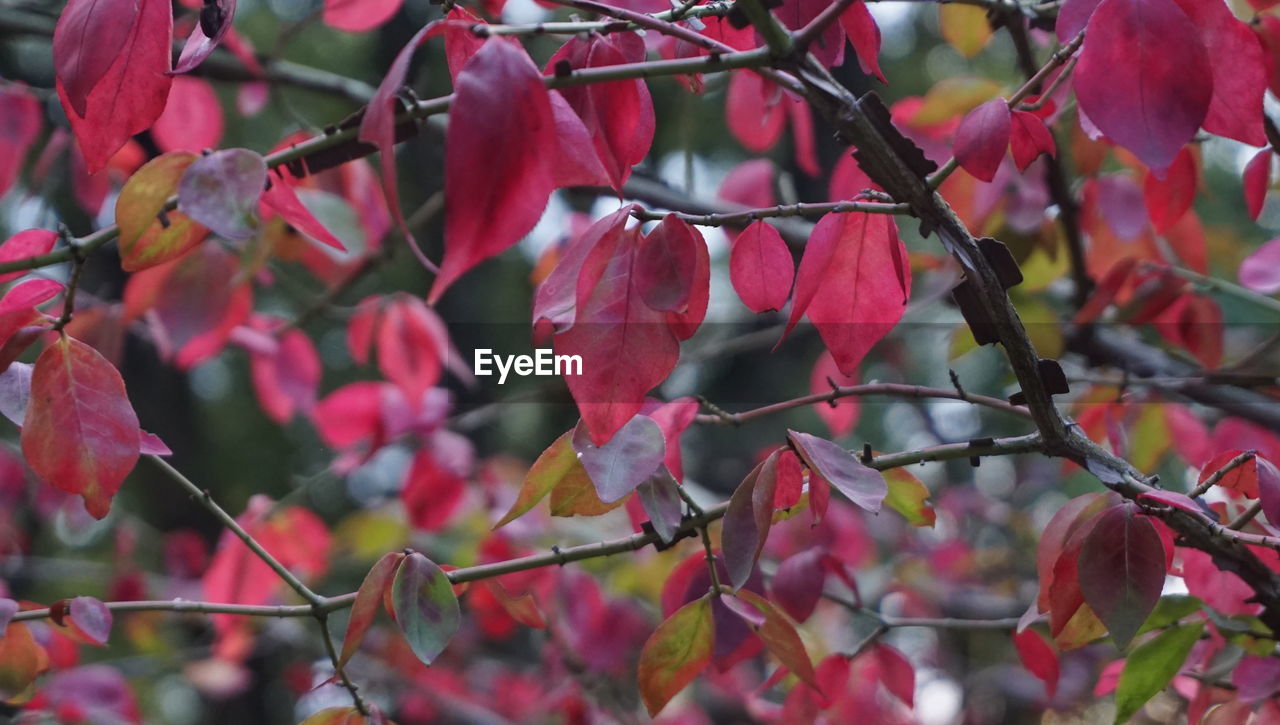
889,389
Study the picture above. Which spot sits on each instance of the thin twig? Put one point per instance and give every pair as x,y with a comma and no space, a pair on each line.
888,389
1221,473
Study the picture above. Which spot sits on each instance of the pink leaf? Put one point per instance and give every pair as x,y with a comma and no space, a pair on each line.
1260,271
556,298
864,486
221,191
215,21
754,111
797,584
983,138
1073,16
1143,77
24,245
500,123
761,268
1256,678
1269,489
357,16
20,119
850,283
287,379
625,461
192,118
840,415
896,673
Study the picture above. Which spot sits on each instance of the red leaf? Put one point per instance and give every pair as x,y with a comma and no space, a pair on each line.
618,115
20,119
378,126
1073,16
1238,84
357,16
282,197
1187,240
750,184
802,136
1260,271
864,486
1143,77
983,138
1053,547
897,674
413,346
576,162
500,123
1169,198
840,415
286,379
627,348
80,433
754,111
24,245
761,268
1122,570
436,484
665,264
556,298
88,38
1242,478
1029,138
192,118
685,324
1257,179
1039,659
847,284
215,23
130,93
864,36
828,47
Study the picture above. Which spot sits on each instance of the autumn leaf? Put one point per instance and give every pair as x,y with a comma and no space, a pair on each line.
368,597
1122,570
426,608
675,653
80,433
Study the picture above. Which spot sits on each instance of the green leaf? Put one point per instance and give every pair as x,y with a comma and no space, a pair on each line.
1151,666
907,495
146,241
368,597
425,606
1169,610
675,653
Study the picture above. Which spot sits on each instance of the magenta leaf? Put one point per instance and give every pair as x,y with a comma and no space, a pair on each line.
761,268
983,138
23,245
630,457
90,619
89,36
1143,77
1122,570
498,177
215,21
862,485
1029,139
1256,678
747,520
1260,271
1269,489
797,584
221,191
665,263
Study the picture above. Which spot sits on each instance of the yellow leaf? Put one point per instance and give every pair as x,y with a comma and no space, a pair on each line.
953,97
965,27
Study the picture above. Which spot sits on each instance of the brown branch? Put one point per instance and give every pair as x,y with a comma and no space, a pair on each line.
888,389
